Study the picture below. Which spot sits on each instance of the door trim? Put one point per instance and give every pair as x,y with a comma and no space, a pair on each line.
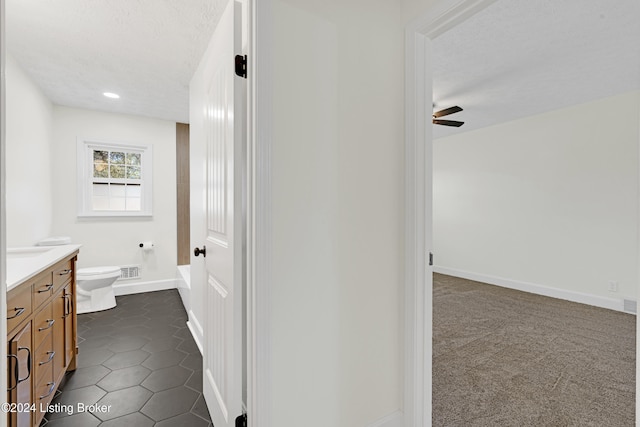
417,364
442,16
638,295
258,221
3,226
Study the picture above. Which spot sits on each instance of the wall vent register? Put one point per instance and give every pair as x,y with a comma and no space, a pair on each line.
129,272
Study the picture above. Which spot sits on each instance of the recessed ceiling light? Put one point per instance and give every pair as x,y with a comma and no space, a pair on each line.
111,95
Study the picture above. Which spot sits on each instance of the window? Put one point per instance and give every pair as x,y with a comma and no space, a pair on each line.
114,179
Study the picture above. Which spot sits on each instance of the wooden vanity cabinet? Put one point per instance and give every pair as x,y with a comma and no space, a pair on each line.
70,325
20,380
63,332
42,342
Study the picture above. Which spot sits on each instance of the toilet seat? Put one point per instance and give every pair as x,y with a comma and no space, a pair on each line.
97,272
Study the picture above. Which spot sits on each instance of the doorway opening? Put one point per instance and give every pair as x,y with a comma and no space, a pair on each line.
420,181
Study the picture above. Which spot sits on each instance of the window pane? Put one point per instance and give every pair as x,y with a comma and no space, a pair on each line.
99,203
100,163
117,204
133,172
101,190
133,203
100,170
133,191
117,190
117,171
133,158
117,157
100,156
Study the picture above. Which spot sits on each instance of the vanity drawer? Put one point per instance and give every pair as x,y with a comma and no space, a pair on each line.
43,357
44,390
43,325
42,289
62,273
18,306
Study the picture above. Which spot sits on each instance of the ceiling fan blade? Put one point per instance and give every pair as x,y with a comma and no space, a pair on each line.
447,111
454,123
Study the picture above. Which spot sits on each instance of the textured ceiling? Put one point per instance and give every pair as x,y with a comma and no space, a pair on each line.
517,58
144,50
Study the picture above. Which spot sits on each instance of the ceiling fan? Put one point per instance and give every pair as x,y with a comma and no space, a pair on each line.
446,112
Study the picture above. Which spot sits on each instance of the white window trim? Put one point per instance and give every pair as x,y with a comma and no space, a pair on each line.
85,148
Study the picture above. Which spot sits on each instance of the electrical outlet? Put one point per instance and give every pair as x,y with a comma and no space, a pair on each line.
613,286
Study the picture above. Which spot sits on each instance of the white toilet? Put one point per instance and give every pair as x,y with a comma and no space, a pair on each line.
94,287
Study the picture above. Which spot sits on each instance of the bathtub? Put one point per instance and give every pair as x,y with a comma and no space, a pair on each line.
183,279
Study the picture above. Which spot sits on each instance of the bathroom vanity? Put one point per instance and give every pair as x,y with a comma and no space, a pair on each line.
41,328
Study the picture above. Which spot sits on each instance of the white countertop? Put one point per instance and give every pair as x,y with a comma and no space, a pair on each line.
24,263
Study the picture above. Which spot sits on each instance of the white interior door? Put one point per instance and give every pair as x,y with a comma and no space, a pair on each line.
216,108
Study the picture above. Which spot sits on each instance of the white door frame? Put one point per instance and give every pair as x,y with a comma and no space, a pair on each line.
258,220
637,297
418,194
3,199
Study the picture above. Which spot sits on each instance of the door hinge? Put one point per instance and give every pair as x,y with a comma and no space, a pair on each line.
241,421
241,66
430,258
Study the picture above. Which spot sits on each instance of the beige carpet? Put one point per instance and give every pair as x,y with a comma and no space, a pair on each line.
508,358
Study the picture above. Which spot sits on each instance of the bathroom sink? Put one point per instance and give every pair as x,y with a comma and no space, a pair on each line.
29,252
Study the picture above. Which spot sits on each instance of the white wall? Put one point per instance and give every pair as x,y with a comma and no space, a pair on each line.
28,138
413,9
549,200
337,164
114,241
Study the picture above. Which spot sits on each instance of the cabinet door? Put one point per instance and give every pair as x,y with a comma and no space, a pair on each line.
59,310
69,324
20,380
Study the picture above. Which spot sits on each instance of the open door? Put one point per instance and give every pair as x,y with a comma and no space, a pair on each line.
217,141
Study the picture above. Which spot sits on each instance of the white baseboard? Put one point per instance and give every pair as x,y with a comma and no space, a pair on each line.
392,420
583,298
196,330
129,288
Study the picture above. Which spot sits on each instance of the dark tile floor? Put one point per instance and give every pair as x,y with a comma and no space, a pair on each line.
140,359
